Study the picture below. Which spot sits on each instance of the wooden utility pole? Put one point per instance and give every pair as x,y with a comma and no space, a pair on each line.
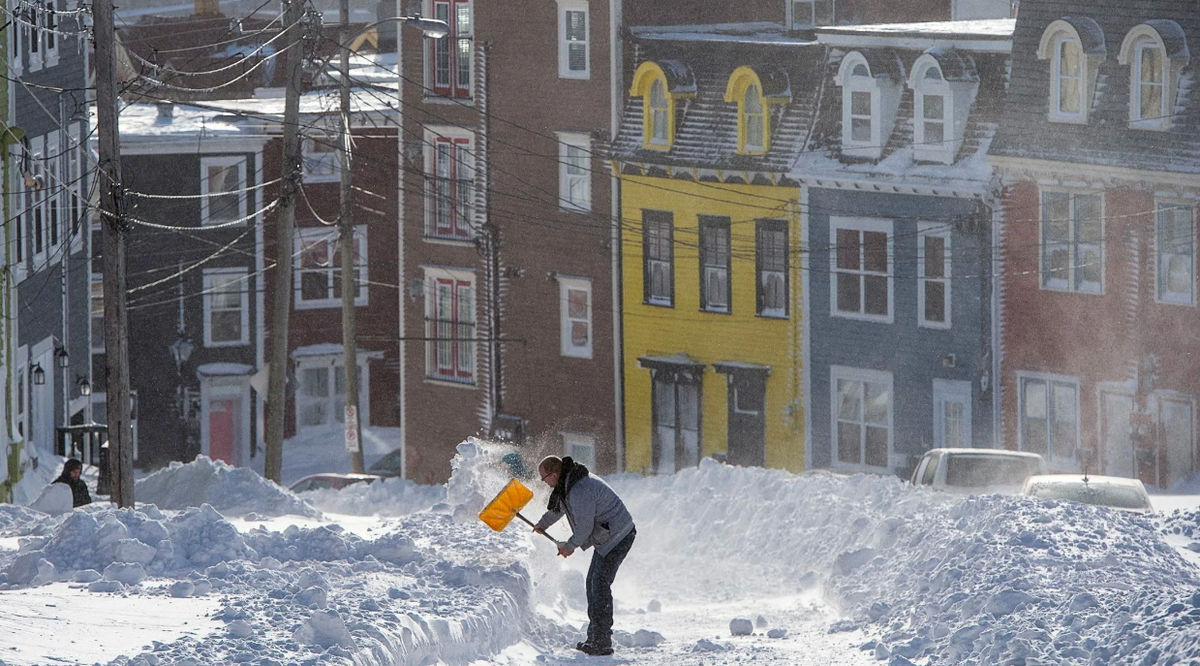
350,285
285,224
114,229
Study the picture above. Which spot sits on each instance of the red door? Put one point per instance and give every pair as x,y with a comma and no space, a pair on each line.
221,429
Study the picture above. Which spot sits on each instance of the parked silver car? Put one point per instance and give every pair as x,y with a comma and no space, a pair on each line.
977,471
1114,491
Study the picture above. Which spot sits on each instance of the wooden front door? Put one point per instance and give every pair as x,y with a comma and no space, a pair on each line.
222,429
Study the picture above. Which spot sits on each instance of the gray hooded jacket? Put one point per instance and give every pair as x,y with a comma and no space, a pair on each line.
596,515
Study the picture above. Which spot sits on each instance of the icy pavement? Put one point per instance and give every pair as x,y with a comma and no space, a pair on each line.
816,568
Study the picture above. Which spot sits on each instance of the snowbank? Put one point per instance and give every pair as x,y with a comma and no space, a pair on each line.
386,497
230,490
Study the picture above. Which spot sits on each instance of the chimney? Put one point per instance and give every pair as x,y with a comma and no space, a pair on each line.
166,110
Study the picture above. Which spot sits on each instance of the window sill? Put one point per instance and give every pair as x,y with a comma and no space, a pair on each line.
435,381
443,240
726,311
877,319
575,76
776,317
1180,302
1068,120
935,325
225,345
579,354
329,304
659,304
1067,290
443,99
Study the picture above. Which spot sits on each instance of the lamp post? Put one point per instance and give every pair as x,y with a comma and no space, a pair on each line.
181,351
350,284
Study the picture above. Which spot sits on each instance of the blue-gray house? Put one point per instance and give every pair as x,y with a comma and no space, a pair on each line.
897,200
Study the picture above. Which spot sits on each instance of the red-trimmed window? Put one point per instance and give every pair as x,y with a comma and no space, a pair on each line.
450,57
450,328
450,180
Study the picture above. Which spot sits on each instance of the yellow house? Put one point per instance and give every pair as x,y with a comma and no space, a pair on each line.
711,264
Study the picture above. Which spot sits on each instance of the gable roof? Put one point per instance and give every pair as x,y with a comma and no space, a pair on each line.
1106,140
706,130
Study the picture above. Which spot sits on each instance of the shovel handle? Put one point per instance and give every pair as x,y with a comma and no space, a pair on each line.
530,523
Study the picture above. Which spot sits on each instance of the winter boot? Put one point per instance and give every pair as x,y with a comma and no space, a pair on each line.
597,649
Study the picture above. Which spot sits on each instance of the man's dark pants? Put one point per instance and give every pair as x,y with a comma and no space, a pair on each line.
600,577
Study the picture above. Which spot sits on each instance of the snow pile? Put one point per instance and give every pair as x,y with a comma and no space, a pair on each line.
940,578
20,521
386,497
230,490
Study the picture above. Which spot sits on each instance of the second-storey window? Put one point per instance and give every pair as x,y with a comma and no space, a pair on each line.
771,259
222,186
574,172
658,257
573,39
1176,249
226,308
449,187
715,258
862,284
575,316
933,294
1072,242
450,56
1067,93
319,268
450,325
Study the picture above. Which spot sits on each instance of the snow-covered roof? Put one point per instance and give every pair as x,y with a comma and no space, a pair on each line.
991,35
331,349
164,121
224,369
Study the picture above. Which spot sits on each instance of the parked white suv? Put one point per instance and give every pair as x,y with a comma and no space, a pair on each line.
977,471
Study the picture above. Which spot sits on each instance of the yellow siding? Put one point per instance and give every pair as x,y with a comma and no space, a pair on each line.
708,337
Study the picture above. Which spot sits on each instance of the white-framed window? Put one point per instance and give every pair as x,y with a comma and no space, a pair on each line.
771,266
936,130
933,275
575,316
20,221
50,38
226,307
951,413
55,191
449,183
1049,417
1155,54
1175,247
581,448
573,42
574,171
807,14
321,391
449,59
32,24
1074,64
37,204
754,120
861,264
74,207
861,411
716,264
223,189
868,107
18,37
1072,242
659,112
450,325
321,159
97,311
319,268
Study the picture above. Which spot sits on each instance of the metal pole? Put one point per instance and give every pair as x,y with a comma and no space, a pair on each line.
285,224
114,228
350,286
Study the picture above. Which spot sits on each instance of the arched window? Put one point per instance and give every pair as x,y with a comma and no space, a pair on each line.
944,85
659,109
1156,52
1075,50
754,118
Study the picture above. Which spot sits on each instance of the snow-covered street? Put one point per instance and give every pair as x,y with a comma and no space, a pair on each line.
823,569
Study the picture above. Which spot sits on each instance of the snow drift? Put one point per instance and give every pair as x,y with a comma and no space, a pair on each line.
230,490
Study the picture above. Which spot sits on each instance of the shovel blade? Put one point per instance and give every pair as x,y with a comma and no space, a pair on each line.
501,510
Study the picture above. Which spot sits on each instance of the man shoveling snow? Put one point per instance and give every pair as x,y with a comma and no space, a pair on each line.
597,518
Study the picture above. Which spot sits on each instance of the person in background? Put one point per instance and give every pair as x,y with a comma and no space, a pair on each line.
70,476
597,518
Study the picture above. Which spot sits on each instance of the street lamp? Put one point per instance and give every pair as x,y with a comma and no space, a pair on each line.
181,351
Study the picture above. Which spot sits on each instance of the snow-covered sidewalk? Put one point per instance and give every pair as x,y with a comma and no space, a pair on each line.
823,569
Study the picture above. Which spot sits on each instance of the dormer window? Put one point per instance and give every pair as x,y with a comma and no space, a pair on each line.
661,85
869,101
1156,52
755,90
1075,48
944,84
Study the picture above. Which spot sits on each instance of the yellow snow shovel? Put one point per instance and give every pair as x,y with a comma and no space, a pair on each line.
507,505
